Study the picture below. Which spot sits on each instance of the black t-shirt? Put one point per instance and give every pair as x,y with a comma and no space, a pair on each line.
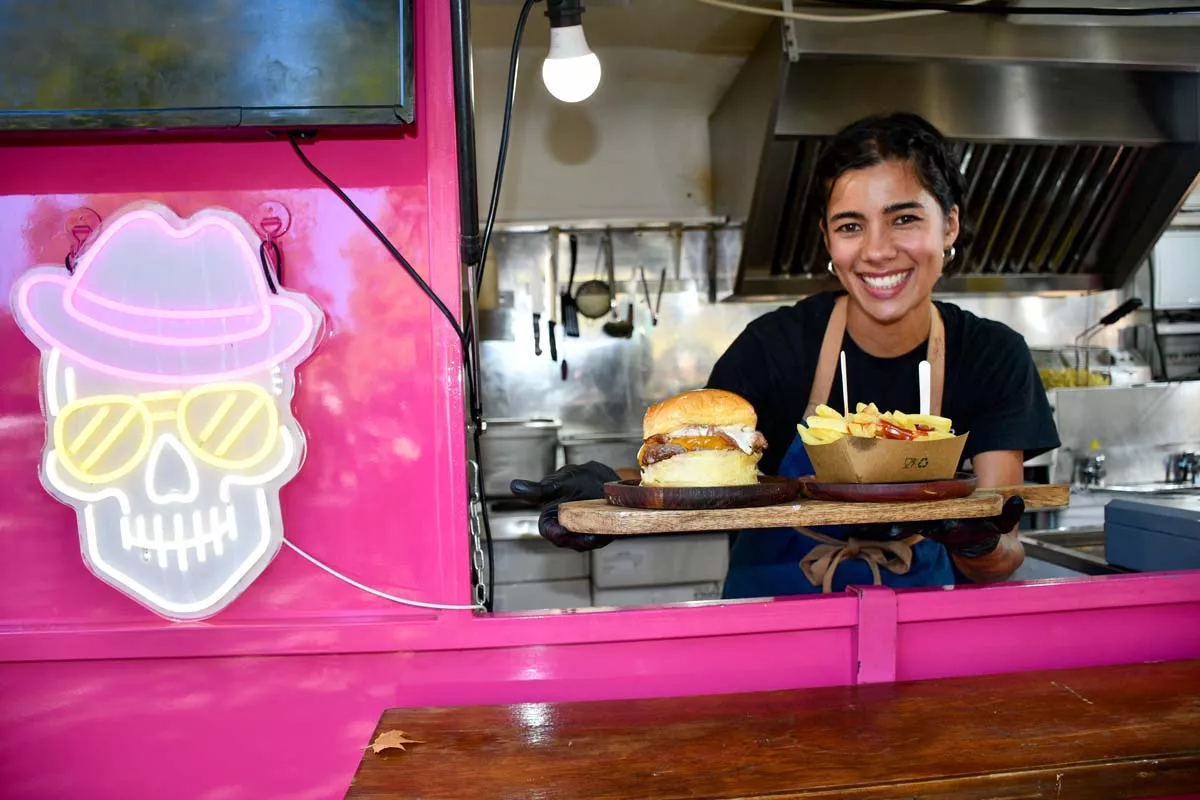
992,388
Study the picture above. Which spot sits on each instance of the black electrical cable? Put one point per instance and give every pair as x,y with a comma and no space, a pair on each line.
511,92
271,258
476,406
1162,356
1007,10
470,244
464,129
472,389
391,248
465,333
497,180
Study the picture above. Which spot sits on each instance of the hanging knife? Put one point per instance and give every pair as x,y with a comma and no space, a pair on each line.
553,321
537,291
662,284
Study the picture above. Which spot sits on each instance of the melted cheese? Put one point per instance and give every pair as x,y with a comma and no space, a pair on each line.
742,436
691,443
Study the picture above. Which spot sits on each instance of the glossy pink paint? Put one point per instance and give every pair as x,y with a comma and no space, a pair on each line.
277,695
875,635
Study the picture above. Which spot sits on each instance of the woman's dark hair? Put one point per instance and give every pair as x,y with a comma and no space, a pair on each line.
902,137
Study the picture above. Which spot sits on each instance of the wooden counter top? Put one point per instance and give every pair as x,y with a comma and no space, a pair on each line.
1106,732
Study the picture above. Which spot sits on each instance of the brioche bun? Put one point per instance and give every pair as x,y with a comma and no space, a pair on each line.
701,407
704,468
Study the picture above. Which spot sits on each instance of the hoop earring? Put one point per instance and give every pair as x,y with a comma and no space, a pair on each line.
949,255
831,269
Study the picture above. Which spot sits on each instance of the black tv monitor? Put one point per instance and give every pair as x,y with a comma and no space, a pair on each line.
70,65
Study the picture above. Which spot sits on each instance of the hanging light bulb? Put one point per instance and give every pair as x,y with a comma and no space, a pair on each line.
571,70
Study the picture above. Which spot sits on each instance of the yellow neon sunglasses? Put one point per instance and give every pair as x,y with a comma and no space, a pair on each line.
231,426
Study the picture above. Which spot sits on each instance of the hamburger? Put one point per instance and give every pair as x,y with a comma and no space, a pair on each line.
701,438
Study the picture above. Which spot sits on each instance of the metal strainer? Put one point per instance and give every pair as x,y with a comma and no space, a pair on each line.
594,298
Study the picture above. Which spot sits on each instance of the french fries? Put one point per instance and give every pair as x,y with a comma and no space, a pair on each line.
866,422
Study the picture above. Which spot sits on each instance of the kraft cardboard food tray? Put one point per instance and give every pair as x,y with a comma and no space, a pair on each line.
852,459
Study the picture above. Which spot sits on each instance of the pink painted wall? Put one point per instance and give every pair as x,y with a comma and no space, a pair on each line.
381,495
277,695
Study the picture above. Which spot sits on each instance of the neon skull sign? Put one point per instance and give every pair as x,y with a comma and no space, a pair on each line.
167,372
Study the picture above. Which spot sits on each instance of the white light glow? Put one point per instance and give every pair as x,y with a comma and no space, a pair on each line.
168,604
167,373
571,71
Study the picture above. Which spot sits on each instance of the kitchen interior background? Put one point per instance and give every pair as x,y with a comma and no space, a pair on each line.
635,159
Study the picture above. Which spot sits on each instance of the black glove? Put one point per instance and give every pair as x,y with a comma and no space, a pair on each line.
572,482
974,538
968,538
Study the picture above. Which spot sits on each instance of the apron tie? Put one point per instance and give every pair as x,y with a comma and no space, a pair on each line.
820,563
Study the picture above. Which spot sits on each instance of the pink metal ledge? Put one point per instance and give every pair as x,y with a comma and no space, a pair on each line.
277,695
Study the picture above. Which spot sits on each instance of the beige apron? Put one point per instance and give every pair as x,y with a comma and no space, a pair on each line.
820,564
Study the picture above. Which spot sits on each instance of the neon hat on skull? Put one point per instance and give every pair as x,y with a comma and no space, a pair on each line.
143,305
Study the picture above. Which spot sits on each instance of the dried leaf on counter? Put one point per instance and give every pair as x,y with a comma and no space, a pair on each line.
389,740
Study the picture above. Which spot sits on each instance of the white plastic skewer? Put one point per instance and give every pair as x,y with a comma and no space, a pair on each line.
923,378
845,389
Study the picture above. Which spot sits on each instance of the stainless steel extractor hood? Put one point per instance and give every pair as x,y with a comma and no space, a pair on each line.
1078,143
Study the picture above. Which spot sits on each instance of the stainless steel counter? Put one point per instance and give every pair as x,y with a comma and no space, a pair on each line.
1064,554
1069,542
1074,539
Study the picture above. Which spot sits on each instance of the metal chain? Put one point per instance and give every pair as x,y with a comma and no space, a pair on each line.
478,559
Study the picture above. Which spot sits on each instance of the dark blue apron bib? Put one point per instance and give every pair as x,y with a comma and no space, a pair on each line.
766,562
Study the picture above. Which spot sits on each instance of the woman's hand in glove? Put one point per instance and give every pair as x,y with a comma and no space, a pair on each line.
975,538
967,538
572,482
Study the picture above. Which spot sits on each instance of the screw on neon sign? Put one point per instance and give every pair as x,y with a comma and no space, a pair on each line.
167,372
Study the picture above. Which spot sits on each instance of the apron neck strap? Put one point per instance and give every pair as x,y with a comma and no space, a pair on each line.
831,347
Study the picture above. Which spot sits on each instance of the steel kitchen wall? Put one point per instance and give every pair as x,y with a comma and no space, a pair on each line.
638,146
1139,428
611,381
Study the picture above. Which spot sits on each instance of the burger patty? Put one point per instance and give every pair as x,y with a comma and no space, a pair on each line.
660,447
653,453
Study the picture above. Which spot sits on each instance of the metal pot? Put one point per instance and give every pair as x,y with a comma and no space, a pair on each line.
517,448
616,450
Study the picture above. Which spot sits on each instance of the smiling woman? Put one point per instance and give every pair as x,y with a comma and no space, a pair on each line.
890,197
890,200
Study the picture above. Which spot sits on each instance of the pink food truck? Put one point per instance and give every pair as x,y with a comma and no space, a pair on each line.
236,504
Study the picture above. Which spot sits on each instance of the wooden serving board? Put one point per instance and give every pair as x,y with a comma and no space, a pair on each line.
600,516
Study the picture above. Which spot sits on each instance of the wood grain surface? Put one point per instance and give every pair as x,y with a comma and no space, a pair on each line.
600,516
1099,733
768,491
